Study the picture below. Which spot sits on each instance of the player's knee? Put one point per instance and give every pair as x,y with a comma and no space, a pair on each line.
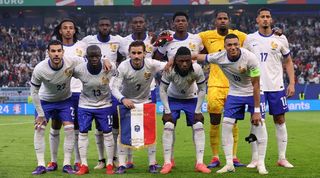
198,126
169,126
68,127
215,119
56,124
279,119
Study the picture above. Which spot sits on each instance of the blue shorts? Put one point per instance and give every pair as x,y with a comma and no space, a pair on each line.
102,116
61,110
277,102
186,105
154,95
75,102
235,106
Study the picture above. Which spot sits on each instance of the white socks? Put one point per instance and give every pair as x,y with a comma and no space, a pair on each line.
76,147
199,141
109,145
152,154
99,143
282,140
68,144
227,141
54,139
167,141
262,140
122,155
39,146
83,147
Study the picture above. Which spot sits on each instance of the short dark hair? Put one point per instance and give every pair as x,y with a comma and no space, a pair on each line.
180,13
104,18
229,36
182,51
263,9
221,11
93,48
137,43
57,34
54,42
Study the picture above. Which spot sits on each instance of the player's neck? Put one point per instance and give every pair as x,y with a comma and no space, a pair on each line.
94,70
223,32
180,35
265,31
67,42
139,36
103,38
56,66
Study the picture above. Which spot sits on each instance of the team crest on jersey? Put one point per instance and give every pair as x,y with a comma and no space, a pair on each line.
192,46
104,81
149,48
68,72
147,75
79,52
274,45
113,47
190,81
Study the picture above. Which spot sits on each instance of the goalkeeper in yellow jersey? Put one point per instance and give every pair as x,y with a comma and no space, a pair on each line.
218,85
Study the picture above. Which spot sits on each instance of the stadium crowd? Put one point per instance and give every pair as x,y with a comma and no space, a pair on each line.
21,48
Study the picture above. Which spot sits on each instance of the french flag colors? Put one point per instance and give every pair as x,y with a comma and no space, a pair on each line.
138,126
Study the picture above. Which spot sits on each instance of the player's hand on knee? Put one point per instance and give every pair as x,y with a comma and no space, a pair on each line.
167,117
198,117
128,103
256,119
277,31
40,123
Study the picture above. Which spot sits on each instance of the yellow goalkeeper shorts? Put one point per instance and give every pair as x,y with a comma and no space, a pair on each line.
216,99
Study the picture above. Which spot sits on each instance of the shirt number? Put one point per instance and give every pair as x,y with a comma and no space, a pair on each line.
263,57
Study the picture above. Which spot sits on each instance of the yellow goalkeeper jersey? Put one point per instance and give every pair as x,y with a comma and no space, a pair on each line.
214,42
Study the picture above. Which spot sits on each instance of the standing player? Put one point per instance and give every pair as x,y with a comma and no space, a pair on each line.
95,103
109,45
271,50
181,37
183,88
218,85
67,32
138,25
241,68
132,86
53,101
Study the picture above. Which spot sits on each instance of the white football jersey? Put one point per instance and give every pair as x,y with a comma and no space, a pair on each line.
184,87
237,72
124,46
96,92
192,41
108,49
77,49
55,84
135,84
270,51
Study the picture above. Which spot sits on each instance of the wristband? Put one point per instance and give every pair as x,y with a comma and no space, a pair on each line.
256,110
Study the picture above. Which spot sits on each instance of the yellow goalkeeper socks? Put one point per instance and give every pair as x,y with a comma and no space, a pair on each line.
215,139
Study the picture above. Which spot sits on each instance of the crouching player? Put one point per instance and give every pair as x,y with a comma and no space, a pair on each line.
53,100
95,103
241,67
183,88
132,86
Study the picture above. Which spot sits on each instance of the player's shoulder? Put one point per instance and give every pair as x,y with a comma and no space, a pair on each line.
124,65
196,66
42,65
88,38
208,34
80,44
116,38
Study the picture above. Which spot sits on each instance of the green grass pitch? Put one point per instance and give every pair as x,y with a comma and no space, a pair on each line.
17,157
